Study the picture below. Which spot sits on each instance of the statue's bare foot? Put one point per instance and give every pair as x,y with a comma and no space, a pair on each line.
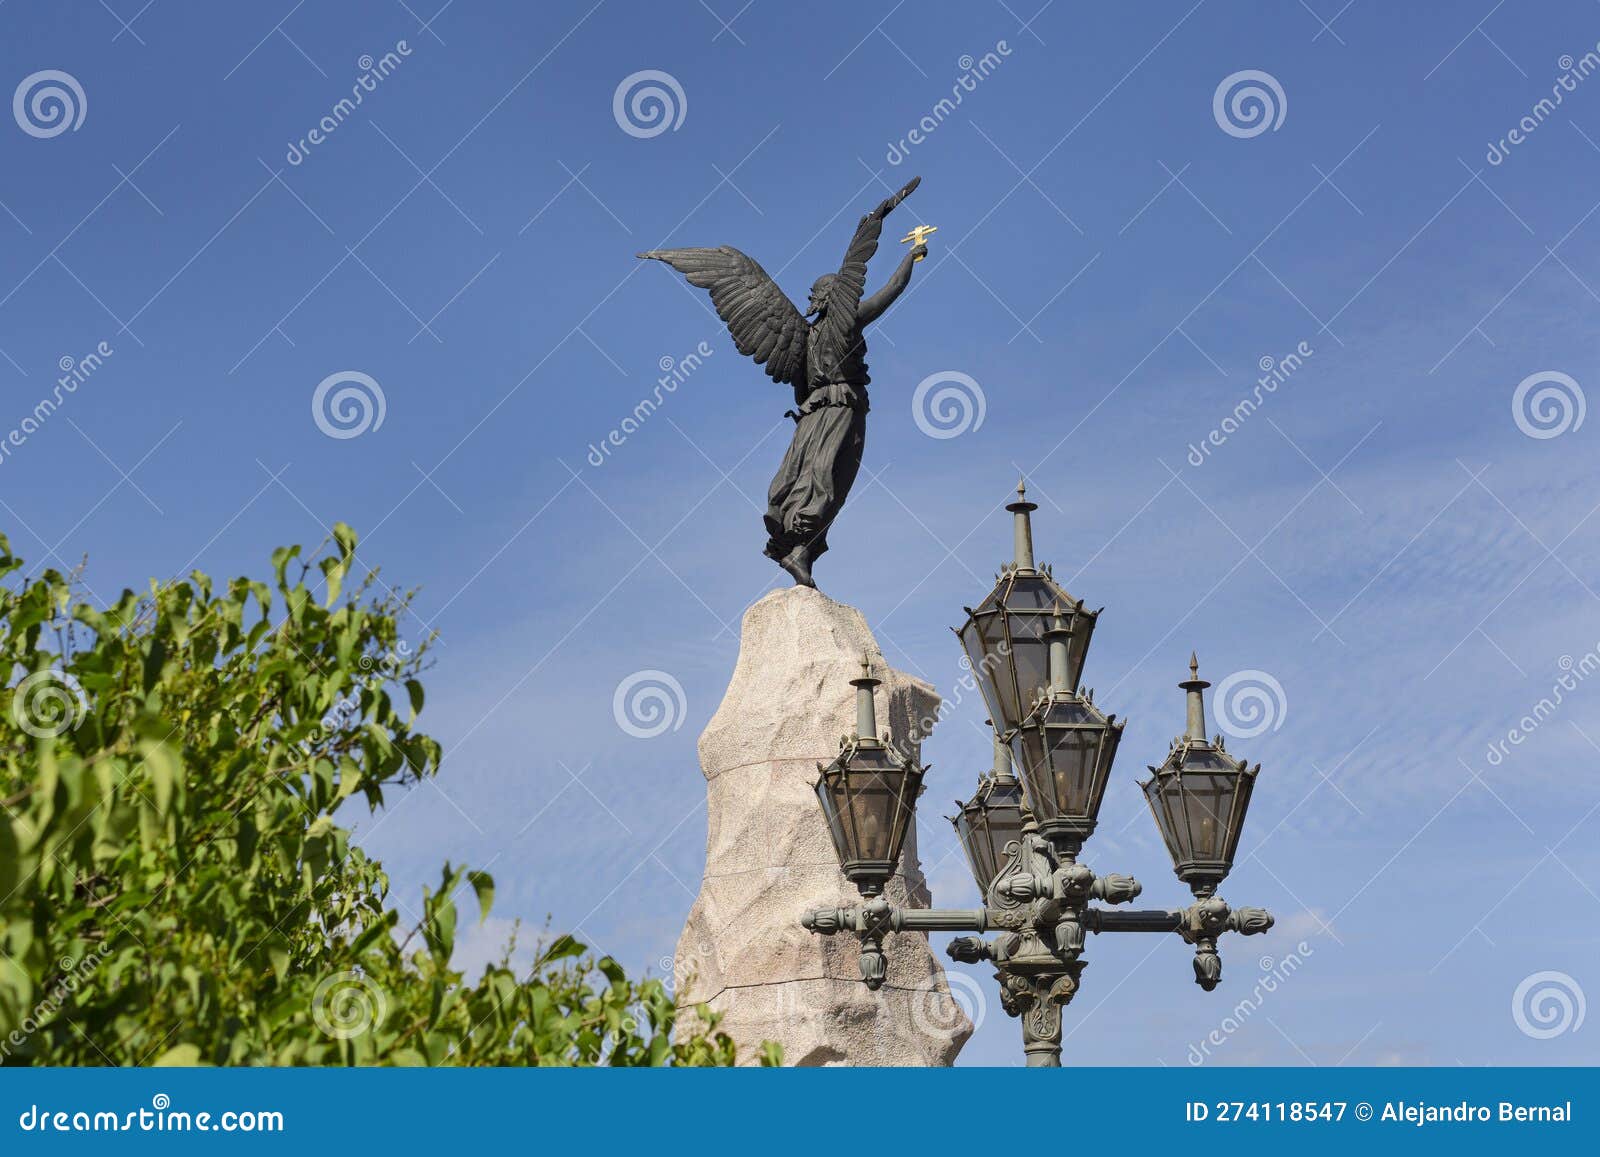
798,563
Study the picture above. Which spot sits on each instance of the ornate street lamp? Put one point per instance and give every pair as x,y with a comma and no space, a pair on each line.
988,823
1064,748
1023,845
1199,797
868,795
1004,638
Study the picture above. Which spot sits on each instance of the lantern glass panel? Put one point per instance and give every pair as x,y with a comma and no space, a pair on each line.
1028,755
969,832
1031,599
1166,801
1078,647
868,804
1004,821
830,793
984,640
1074,752
1209,800
873,804
1030,657
986,824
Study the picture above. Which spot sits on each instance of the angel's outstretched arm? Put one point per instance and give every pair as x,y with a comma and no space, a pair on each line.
872,308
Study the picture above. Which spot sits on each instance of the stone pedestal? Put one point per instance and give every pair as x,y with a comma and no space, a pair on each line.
769,858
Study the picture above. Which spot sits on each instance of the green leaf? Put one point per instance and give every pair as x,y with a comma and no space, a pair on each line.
483,885
333,573
10,856
278,955
165,771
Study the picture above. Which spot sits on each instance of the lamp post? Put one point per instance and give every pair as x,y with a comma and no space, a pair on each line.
1022,833
868,795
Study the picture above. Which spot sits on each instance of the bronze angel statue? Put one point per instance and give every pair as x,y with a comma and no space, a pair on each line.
823,359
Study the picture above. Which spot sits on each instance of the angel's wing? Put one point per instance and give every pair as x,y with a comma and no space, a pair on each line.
844,296
764,323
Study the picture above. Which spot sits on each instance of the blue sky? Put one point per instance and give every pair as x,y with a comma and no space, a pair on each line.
1380,536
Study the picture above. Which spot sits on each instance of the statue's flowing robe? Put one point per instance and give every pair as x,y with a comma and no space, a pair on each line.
830,434
818,470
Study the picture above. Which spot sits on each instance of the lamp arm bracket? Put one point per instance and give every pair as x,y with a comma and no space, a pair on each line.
879,917
1205,920
1099,920
941,920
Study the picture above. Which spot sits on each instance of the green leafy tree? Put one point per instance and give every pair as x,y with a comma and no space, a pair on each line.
174,886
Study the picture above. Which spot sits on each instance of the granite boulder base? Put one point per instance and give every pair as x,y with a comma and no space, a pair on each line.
769,858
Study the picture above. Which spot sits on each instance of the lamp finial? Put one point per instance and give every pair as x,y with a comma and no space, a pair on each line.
866,710
1022,528
1057,638
1194,687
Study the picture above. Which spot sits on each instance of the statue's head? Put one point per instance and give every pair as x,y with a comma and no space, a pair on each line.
819,295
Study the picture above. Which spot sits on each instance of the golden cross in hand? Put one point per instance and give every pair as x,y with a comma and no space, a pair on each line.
919,235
